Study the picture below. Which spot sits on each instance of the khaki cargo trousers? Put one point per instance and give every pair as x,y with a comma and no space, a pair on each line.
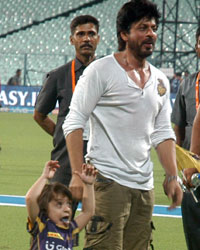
122,219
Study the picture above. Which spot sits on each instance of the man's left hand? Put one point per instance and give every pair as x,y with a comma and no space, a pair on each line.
174,192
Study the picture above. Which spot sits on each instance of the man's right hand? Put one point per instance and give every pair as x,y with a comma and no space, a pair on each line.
76,187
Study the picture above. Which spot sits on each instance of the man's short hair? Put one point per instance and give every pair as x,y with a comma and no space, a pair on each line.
179,74
132,12
83,19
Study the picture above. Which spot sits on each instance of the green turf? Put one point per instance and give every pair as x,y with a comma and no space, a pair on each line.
168,234
13,229
25,149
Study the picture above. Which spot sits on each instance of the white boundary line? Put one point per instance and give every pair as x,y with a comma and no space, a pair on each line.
167,215
12,205
8,195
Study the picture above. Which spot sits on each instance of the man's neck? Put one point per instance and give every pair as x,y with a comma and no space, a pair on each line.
130,61
85,59
137,68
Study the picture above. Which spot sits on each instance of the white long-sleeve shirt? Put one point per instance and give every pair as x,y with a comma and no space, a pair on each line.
125,120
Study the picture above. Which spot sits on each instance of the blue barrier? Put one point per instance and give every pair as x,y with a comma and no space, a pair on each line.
159,210
20,99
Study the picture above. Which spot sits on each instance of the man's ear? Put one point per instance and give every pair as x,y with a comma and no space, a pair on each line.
71,38
98,39
124,36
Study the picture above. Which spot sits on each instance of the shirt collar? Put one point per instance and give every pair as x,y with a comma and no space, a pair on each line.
78,64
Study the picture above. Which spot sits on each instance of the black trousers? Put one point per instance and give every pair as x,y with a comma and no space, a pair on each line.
191,219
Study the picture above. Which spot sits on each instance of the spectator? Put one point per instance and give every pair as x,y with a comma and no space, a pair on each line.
59,86
16,79
184,111
186,73
115,92
175,82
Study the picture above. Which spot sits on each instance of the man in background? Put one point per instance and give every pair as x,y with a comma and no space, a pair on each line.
15,80
184,111
175,82
59,86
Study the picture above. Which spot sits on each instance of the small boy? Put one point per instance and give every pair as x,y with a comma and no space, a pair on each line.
49,209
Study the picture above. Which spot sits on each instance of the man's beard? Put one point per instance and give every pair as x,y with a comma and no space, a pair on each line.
137,50
144,54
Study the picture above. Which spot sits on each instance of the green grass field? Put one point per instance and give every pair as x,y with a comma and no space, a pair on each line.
25,149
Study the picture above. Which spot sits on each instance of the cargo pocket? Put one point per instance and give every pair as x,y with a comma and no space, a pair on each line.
97,230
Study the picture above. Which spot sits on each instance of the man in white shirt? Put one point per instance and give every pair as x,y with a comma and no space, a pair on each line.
127,100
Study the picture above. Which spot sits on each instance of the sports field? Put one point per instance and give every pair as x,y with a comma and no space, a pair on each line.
25,149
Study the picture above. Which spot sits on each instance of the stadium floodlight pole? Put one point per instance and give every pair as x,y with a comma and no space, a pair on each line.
25,68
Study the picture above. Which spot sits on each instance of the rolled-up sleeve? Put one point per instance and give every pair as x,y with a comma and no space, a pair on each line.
163,129
86,96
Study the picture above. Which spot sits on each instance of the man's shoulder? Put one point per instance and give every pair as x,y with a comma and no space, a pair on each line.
61,69
188,82
102,62
191,77
14,77
58,75
10,81
158,73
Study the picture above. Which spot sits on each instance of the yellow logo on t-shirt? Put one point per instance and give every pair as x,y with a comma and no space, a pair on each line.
161,88
54,235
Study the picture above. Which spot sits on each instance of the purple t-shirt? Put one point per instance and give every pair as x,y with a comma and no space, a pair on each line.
47,235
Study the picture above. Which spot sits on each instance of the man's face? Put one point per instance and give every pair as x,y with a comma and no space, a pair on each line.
142,37
85,39
60,210
197,47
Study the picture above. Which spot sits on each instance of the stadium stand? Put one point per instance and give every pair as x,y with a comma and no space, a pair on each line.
34,34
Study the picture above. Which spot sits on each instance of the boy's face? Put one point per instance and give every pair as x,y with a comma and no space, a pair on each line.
60,210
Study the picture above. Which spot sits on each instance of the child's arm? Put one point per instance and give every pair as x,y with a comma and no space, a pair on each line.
35,190
88,176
